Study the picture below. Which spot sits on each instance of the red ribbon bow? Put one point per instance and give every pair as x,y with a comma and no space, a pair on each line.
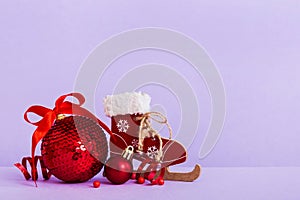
48,118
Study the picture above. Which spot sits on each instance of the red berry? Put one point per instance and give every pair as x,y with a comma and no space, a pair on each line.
141,180
96,184
161,181
151,176
133,176
154,182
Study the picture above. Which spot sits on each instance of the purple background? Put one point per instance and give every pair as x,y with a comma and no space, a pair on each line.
255,45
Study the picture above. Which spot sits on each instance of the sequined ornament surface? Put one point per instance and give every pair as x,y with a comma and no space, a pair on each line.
74,149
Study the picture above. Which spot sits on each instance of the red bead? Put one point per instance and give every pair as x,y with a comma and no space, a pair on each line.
161,181
151,175
133,176
154,182
141,180
96,184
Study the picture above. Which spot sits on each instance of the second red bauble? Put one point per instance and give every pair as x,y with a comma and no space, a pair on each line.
118,170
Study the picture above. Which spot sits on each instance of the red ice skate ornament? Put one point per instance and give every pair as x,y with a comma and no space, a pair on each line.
131,126
73,148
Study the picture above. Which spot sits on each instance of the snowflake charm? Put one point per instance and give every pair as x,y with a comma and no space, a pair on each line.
123,125
152,152
135,143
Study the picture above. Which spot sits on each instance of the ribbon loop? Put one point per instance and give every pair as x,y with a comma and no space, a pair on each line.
153,115
38,110
62,98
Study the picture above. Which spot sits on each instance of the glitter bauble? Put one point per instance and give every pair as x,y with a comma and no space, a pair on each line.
74,149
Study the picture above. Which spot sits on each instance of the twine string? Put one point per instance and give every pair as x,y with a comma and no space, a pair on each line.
146,129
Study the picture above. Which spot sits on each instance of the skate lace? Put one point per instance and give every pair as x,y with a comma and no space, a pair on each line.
146,130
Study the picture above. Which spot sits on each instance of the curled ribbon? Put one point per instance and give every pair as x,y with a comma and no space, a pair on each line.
48,118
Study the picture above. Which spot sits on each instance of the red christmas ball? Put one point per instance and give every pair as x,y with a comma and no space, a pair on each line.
74,149
118,170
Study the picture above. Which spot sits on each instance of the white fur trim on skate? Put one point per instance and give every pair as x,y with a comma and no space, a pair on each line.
127,103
